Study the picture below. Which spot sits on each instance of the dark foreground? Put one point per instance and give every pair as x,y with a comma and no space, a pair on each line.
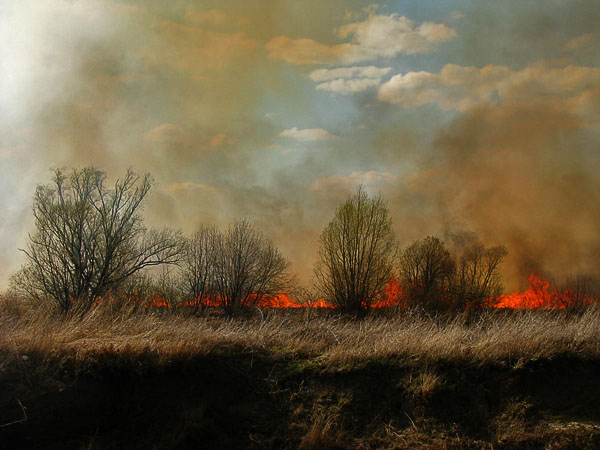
240,398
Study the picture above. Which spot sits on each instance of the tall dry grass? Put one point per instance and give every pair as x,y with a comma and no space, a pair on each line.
324,336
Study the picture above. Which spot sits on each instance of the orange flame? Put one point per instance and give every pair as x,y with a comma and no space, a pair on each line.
285,301
541,295
538,296
392,296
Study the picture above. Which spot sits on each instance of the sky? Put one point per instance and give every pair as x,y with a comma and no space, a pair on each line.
474,120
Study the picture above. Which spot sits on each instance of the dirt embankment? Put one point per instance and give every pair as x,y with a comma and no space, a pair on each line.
235,398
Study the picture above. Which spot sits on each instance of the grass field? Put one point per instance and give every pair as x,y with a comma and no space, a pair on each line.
299,379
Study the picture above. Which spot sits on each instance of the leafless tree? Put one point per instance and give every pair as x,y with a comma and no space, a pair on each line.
247,267
356,254
198,266
426,270
90,238
477,280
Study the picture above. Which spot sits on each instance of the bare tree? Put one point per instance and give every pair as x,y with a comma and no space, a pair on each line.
356,254
426,270
197,266
90,238
477,280
247,268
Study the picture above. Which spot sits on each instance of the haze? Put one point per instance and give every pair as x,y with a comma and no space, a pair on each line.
469,117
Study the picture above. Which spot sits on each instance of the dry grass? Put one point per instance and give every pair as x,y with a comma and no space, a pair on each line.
423,384
437,382
326,337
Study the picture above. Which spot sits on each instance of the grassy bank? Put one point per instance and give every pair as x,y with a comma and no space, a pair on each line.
308,379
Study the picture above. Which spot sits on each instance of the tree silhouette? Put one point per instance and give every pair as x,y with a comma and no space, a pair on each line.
246,267
426,270
356,254
89,238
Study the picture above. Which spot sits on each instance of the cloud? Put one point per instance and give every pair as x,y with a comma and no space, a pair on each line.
388,36
167,133
378,36
355,14
348,80
463,88
342,86
309,134
348,72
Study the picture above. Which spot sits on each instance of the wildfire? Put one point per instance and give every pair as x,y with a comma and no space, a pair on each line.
392,296
540,295
285,301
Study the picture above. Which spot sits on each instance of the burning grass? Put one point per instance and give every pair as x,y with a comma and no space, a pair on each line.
290,378
578,294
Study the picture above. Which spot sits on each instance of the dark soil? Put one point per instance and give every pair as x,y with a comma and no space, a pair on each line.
235,399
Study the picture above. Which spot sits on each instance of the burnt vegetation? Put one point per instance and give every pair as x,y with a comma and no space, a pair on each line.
116,336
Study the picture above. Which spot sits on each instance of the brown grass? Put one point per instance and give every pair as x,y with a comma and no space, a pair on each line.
328,338
397,379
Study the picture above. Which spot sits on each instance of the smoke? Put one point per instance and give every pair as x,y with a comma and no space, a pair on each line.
191,94
523,176
175,90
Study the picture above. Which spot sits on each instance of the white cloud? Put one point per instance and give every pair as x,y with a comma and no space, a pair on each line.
309,134
347,80
461,88
388,36
342,86
378,36
348,72
436,33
